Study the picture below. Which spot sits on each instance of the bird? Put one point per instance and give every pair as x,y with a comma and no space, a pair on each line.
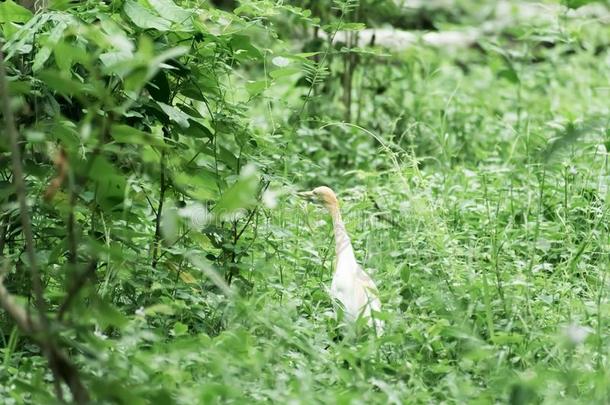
351,286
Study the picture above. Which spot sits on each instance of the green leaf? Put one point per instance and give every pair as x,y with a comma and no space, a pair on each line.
13,12
19,87
201,186
127,134
108,315
198,130
110,183
159,309
54,37
180,329
175,114
66,54
143,18
284,72
168,9
256,87
241,194
158,87
577,3
243,48
63,83
509,74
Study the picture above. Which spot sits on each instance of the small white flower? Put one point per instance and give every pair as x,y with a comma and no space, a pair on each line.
140,312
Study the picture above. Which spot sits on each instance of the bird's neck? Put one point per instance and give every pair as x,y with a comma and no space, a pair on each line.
343,245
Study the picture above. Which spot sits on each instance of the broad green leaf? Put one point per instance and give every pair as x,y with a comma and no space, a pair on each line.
242,194
159,309
13,12
288,71
66,54
170,224
110,183
159,87
201,186
180,329
127,134
198,130
16,87
108,315
49,43
144,18
509,74
256,87
175,114
243,48
169,10
63,83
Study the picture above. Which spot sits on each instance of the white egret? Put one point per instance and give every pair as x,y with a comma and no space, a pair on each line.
351,286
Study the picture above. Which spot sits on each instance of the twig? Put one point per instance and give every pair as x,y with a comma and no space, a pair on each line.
60,365
157,237
20,190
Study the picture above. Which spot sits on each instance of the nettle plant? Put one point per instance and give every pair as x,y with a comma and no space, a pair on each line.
136,158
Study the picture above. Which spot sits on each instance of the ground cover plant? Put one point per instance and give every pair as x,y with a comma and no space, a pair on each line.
153,249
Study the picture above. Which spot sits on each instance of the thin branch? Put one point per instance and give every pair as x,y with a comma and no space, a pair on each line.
59,362
20,189
162,189
61,366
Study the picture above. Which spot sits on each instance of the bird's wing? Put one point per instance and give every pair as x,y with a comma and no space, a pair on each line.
369,291
367,282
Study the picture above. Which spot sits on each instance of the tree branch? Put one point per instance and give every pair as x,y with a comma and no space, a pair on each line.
38,328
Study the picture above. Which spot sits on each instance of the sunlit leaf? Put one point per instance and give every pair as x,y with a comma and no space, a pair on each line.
144,18
13,12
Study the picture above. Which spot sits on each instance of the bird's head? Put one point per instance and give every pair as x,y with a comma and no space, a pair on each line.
321,195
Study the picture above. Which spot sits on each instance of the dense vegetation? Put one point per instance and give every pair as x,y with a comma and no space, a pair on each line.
153,250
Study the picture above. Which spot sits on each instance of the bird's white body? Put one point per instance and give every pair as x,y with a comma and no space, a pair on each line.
351,286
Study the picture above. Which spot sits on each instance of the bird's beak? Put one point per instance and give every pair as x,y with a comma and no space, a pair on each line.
306,195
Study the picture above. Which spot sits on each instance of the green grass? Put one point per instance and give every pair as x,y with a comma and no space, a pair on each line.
493,274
